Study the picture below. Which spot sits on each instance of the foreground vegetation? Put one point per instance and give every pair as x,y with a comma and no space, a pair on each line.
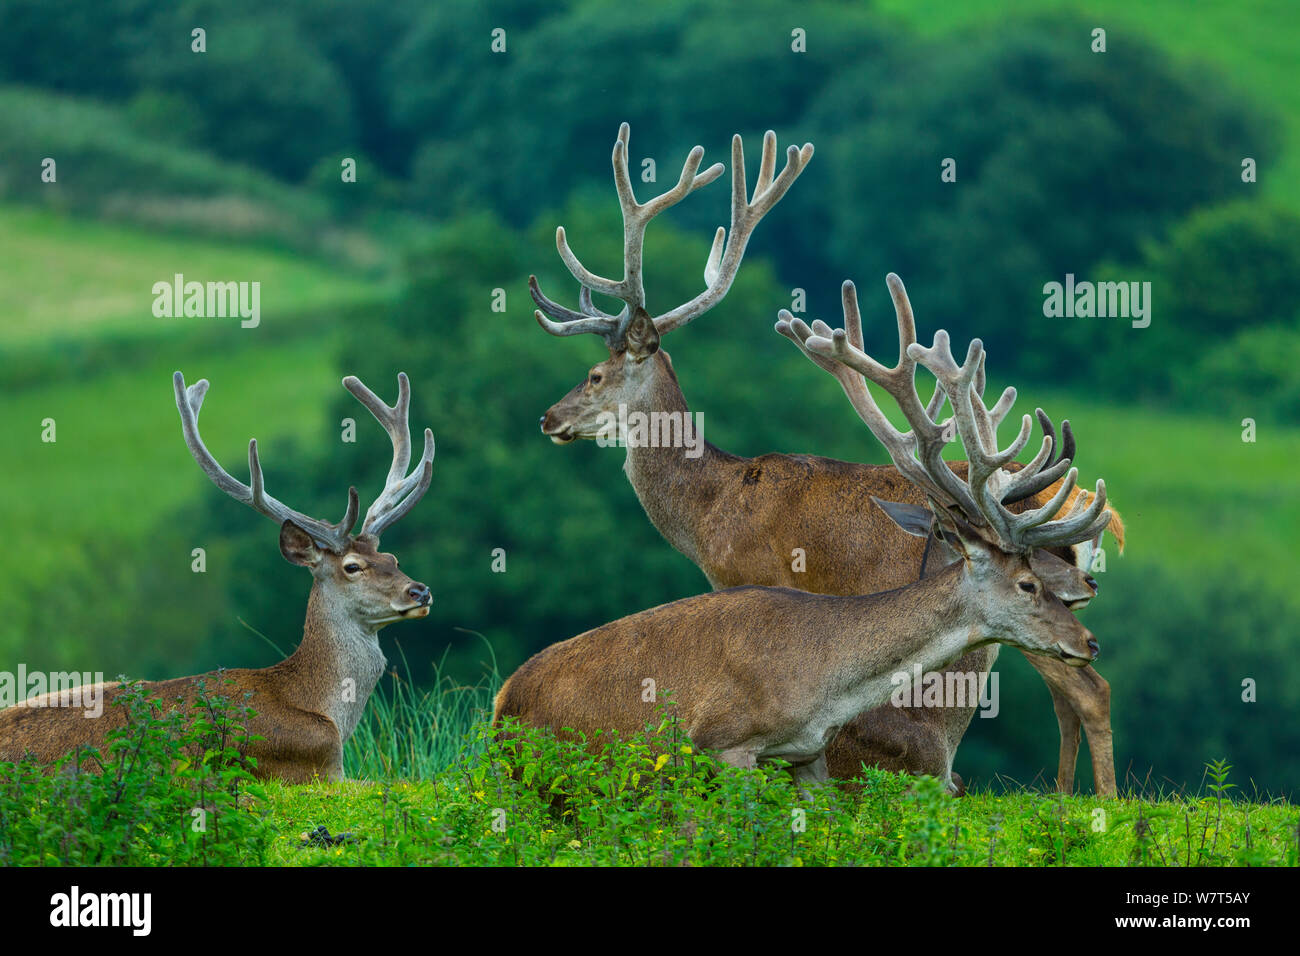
171,790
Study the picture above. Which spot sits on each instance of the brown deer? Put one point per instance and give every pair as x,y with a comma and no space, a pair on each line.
308,704
761,674
740,519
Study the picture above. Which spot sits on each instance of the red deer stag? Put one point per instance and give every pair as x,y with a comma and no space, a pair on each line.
308,704
761,674
740,519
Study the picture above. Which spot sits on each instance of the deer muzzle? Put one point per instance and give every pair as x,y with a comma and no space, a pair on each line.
1079,656
557,432
423,598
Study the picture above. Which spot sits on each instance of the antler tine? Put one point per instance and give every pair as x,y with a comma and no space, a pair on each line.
580,272
1085,521
189,401
404,495
568,322
553,309
798,332
401,491
1026,483
987,480
588,307
630,289
918,454
1042,471
1033,529
724,261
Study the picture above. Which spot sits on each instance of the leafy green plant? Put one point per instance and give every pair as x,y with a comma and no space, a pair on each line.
171,787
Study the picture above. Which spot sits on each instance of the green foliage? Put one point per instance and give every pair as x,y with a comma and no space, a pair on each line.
112,166
679,72
171,788
411,733
1229,267
259,71
524,797
1255,374
1249,44
1225,330
519,796
1057,151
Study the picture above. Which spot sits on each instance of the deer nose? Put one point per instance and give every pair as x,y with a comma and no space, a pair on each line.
1092,583
419,594
1094,646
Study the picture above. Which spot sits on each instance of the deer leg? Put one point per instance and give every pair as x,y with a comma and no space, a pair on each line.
740,757
1080,696
813,772
1067,721
1096,724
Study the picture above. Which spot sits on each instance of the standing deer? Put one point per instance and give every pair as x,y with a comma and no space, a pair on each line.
761,674
308,704
740,519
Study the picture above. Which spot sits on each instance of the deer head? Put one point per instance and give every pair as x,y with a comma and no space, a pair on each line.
354,582
1020,589
636,368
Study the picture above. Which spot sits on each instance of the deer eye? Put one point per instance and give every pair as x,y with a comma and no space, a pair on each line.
595,378
351,567
1029,587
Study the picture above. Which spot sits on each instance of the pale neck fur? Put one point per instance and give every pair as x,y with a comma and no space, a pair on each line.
335,648
931,623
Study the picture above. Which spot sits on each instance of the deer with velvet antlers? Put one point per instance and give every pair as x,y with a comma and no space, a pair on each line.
761,674
740,519
306,706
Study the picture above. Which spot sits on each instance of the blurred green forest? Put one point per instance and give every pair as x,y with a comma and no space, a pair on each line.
225,165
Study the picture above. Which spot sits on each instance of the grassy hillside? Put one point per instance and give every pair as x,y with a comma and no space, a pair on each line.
65,279
81,345
120,464
1254,45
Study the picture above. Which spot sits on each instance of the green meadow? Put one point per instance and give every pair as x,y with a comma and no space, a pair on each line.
80,312
67,279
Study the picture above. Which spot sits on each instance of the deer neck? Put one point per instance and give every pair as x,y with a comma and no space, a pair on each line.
675,485
928,624
337,665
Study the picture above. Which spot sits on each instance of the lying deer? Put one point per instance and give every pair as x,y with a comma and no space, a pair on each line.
308,704
761,674
740,519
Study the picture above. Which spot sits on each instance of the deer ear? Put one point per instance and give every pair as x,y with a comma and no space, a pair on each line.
641,338
911,518
298,547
